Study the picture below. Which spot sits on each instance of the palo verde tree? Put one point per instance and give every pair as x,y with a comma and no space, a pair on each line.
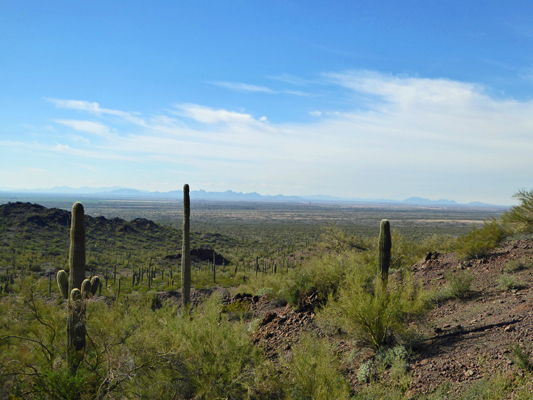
521,216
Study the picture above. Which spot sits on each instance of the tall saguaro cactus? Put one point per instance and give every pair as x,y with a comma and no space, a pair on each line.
186,249
76,260
384,250
76,308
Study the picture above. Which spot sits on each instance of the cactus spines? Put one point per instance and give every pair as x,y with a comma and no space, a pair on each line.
62,283
77,247
186,249
95,284
384,250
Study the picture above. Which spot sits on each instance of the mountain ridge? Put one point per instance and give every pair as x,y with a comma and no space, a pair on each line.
230,195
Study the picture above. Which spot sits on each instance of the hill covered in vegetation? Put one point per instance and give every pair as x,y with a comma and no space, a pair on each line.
35,239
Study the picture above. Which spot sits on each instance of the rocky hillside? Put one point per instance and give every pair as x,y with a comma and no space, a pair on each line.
483,310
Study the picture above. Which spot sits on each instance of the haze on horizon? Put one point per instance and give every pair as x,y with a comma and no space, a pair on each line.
387,99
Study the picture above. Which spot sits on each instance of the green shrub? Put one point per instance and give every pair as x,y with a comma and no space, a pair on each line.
406,252
480,242
522,358
219,356
509,282
374,314
321,276
334,239
366,372
264,291
388,357
379,391
518,265
459,284
58,384
396,359
313,371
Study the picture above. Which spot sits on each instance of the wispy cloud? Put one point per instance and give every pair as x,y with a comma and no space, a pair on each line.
94,108
242,87
208,115
245,87
85,126
526,74
297,93
76,105
98,154
292,79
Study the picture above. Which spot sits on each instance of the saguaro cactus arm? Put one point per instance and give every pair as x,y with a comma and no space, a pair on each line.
384,250
95,284
62,283
186,249
86,289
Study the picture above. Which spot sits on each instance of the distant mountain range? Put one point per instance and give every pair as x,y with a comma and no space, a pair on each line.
229,195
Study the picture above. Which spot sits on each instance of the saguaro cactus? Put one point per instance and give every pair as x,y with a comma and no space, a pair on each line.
77,248
384,250
76,306
186,249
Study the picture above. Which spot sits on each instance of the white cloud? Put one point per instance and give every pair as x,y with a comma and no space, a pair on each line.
208,115
407,134
85,126
404,91
76,105
95,108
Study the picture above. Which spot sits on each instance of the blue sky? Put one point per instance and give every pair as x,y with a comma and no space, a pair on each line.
367,99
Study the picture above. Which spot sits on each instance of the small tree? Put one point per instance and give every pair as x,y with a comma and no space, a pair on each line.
521,216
